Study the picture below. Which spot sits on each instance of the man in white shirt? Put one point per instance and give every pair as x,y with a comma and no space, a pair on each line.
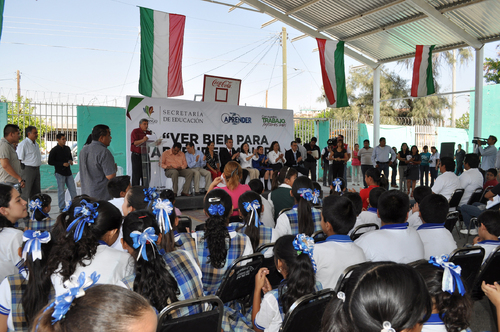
394,241
301,148
338,251
196,161
383,157
365,156
370,216
29,154
437,240
472,178
488,154
448,181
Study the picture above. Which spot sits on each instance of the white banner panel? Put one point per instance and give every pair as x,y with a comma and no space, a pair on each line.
183,121
221,89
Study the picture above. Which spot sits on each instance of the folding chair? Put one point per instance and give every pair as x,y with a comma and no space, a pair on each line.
455,199
274,276
483,199
200,227
362,229
239,280
318,236
490,272
210,320
476,196
451,222
344,276
470,260
185,224
473,221
305,314
283,211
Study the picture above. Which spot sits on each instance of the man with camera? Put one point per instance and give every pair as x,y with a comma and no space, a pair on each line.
489,153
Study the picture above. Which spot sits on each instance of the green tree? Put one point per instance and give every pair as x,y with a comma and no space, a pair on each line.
492,68
22,113
463,121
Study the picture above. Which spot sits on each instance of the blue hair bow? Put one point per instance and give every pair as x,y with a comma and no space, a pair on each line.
451,276
316,193
33,245
338,184
141,239
215,209
163,209
34,206
86,213
76,289
253,206
306,193
67,207
305,245
149,194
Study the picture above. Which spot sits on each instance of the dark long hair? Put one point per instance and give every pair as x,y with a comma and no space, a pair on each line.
216,231
69,253
107,308
59,229
45,200
377,292
248,219
455,310
304,209
5,197
135,198
152,279
280,176
300,278
36,294
378,177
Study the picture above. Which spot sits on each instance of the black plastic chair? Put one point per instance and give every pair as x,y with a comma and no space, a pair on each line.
283,211
274,276
490,272
318,236
210,320
239,279
344,276
200,227
455,198
476,196
483,199
452,219
185,224
470,260
473,221
362,229
305,314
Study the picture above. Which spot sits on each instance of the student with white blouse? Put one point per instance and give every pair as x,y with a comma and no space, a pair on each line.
448,181
246,157
12,208
276,158
433,164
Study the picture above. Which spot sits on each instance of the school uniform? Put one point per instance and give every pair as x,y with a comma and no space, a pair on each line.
239,245
489,246
11,239
414,220
46,224
435,324
288,222
188,275
113,265
470,180
437,240
333,255
266,234
281,198
446,184
392,242
367,217
267,216
187,243
11,293
270,315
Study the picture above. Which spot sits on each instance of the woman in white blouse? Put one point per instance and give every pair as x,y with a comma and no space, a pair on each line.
434,164
276,158
246,158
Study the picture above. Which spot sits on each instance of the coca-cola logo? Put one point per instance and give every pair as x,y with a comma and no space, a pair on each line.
222,84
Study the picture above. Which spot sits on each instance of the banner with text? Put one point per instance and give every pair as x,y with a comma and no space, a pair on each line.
183,121
221,89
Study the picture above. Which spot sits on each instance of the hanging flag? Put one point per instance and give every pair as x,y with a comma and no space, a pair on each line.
423,81
2,5
162,38
331,56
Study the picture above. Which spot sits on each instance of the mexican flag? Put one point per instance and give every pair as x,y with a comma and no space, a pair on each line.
331,56
162,39
423,81
2,6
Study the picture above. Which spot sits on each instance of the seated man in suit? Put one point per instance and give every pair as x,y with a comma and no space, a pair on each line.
294,159
230,154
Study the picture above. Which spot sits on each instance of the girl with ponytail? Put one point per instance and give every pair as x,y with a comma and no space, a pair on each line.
92,227
219,245
280,191
251,208
24,294
293,256
303,217
161,277
39,207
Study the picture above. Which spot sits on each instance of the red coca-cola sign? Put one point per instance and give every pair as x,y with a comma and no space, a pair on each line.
222,84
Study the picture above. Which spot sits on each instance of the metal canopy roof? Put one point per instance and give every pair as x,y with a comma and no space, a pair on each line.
387,30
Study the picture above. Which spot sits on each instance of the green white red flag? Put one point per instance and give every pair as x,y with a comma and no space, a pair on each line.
423,81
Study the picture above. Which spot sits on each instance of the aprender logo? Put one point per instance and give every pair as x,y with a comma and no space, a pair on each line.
148,110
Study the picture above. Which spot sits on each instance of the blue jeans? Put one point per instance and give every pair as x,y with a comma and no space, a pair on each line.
424,174
70,183
470,211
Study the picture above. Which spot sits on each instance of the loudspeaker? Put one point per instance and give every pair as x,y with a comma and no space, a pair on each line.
447,150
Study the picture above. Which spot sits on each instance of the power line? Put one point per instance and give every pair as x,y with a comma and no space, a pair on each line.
255,66
263,50
319,87
130,65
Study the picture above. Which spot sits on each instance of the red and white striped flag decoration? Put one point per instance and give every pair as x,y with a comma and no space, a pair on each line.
423,81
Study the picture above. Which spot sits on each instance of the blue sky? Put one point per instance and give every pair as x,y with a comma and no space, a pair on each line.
88,52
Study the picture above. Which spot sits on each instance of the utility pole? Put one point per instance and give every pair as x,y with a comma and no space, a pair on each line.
267,91
283,45
18,85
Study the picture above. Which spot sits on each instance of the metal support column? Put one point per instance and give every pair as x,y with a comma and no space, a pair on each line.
478,98
376,106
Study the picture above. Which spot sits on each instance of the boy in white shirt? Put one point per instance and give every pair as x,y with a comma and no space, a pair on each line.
358,203
488,231
394,241
338,251
436,238
118,187
472,178
370,216
448,181
419,194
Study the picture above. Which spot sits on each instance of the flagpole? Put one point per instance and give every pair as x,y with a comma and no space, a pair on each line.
283,45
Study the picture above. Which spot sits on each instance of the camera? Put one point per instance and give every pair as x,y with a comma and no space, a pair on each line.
480,141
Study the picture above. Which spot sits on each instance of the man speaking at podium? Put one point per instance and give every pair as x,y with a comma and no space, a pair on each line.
138,137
